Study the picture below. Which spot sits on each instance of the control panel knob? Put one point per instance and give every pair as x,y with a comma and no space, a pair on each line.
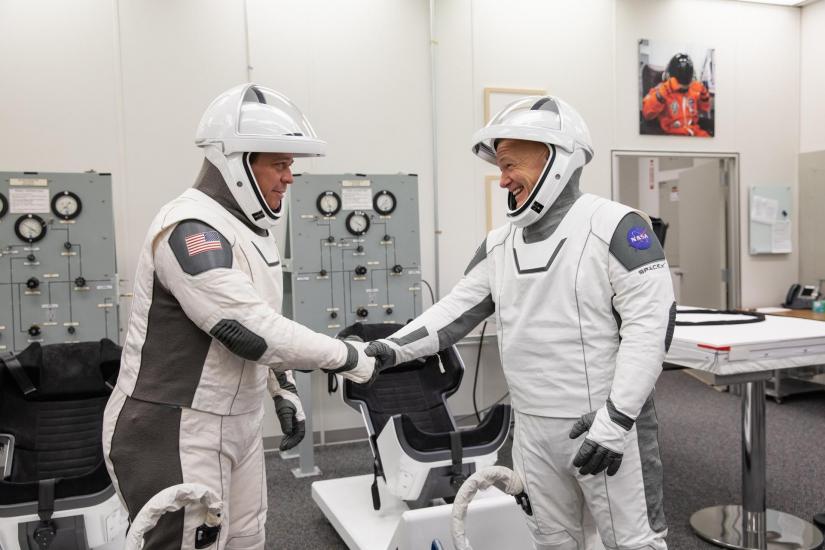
34,330
330,239
72,330
322,273
397,269
387,238
359,248
67,245
31,257
32,283
388,311
333,314
362,312
360,270
80,282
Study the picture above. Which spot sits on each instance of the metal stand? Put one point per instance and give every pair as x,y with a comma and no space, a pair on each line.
306,452
752,526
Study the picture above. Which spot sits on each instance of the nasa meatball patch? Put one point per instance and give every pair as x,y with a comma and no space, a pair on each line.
638,238
634,244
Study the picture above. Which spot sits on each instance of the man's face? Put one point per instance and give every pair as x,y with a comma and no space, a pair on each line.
521,163
273,173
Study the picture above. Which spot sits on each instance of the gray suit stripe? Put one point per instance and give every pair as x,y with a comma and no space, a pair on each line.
414,336
480,255
173,353
145,457
466,322
647,431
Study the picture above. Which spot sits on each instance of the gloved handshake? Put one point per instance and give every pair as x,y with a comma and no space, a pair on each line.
359,366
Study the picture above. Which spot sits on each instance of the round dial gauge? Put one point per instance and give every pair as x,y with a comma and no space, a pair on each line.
66,205
328,203
358,223
30,228
4,205
384,202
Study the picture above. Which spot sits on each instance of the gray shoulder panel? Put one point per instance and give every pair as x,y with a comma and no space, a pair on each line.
479,256
199,247
238,339
634,244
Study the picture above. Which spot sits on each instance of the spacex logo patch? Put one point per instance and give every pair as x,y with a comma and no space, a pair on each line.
651,267
638,238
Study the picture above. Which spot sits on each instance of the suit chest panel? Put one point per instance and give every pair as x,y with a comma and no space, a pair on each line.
262,262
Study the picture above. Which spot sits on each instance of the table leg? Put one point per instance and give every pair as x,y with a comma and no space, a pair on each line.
752,526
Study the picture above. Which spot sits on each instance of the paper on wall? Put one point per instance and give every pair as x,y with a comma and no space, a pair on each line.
781,237
764,210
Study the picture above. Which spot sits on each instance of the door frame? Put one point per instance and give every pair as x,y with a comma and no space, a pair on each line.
733,229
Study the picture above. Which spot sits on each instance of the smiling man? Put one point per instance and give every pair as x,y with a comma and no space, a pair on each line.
584,312
206,337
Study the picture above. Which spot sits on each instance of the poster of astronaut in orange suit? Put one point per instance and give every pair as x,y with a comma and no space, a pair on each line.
677,88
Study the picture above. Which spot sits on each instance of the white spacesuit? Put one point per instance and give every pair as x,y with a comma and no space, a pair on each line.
584,312
206,337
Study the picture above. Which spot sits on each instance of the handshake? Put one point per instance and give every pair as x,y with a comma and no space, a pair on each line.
366,359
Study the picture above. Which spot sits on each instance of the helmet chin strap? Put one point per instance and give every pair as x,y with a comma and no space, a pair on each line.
554,178
247,194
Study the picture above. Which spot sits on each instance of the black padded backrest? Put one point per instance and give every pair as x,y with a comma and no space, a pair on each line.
417,389
57,429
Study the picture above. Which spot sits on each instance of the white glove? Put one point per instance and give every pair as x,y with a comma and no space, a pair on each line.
603,448
359,367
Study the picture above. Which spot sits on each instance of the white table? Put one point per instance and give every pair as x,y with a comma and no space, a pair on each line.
747,354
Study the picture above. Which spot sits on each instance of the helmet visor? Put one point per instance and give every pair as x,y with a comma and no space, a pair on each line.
268,122
533,118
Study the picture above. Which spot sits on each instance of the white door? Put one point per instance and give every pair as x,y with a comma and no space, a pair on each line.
702,236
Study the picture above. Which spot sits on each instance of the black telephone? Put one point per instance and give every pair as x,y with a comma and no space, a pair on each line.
801,297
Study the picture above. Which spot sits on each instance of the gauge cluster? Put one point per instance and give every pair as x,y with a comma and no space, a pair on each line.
355,250
57,259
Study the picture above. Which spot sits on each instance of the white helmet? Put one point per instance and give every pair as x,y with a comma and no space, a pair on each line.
251,119
547,120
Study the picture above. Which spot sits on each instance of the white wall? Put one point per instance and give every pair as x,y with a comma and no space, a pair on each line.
757,103
812,78
119,86
586,52
361,73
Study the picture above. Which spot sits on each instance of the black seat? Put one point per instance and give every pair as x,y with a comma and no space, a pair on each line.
51,402
413,397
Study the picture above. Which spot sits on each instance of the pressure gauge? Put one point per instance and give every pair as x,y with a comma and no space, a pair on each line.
358,223
384,202
66,205
30,228
4,205
328,203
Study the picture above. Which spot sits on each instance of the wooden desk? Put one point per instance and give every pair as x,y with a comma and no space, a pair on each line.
801,314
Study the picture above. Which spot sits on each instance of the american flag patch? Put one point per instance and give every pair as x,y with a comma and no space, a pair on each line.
203,242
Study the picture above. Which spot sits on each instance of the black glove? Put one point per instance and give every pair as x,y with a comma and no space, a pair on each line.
281,386
294,430
384,353
594,457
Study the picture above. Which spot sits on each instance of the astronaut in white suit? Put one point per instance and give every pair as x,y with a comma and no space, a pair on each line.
206,336
584,310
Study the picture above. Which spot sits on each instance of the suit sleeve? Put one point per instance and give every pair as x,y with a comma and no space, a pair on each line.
194,262
452,317
644,303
